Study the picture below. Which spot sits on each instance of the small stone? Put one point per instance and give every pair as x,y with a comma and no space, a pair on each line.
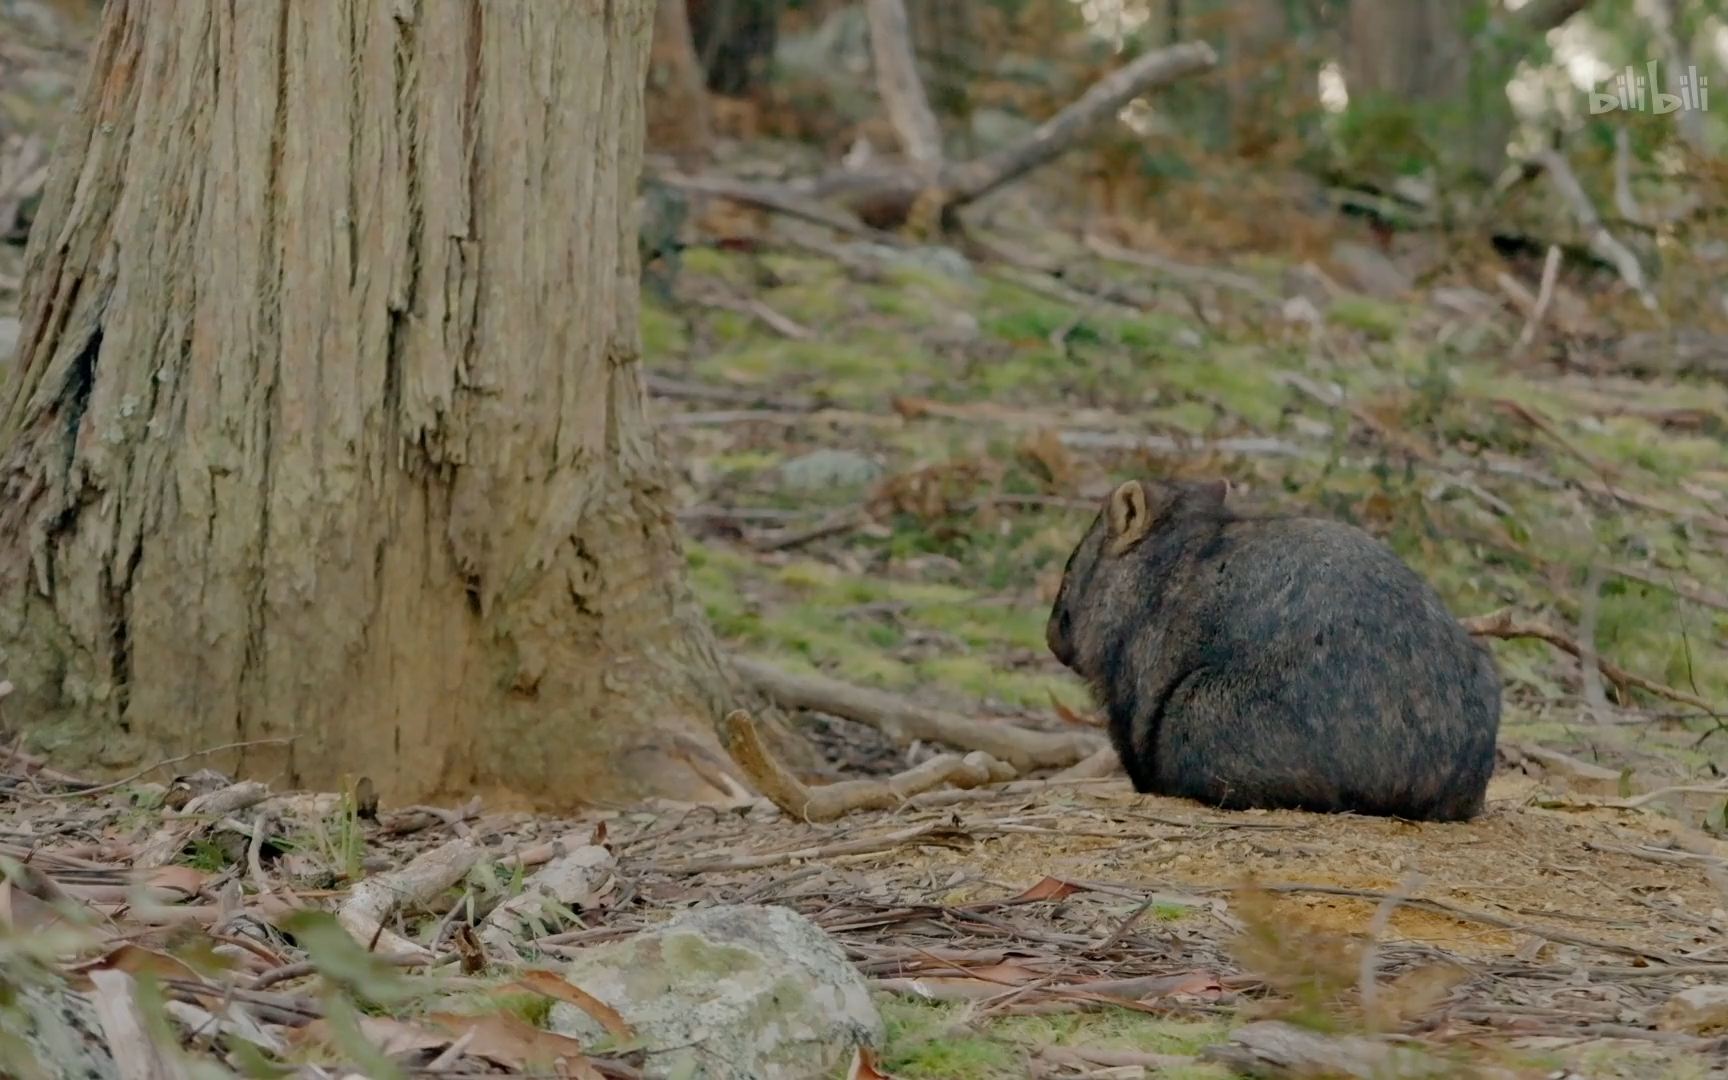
1300,309
740,992
1699,1009
821,469
1370,272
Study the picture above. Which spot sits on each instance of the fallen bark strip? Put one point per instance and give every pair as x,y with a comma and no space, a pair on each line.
906,722
830,802
1501,624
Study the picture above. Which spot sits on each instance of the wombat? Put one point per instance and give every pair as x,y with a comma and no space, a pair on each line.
1274,661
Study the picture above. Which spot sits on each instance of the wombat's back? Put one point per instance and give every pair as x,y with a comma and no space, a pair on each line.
1319,672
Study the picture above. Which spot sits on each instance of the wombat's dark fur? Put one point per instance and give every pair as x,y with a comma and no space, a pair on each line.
1274,661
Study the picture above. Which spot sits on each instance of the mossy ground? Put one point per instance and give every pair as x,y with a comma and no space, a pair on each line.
946,598
950,602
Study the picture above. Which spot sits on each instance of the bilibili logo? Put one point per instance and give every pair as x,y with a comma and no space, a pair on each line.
1629,89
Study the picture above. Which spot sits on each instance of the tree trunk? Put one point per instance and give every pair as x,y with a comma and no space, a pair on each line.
1417,55
327,420
1444,64
678,108
735,40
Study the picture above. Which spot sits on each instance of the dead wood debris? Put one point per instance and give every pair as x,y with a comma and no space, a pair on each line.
1502,624
1063,944
1601,241
927,190
373,901
906,722
833,801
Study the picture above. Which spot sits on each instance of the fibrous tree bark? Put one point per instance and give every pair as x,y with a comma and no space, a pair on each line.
327,421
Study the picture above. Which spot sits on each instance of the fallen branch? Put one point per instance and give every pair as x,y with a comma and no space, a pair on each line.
374,900
886,197
831,802
905,722
1500,624
836,524
567,881
1601,241
1545,297
781,200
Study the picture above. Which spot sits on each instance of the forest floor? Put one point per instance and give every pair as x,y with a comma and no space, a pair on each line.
883,463
988,420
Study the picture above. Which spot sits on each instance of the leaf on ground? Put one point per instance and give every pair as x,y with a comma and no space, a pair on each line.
391,1037
1007,974
513,1042
549,983
186,880
133,960
1069,716
864,1066
1048,889
23,913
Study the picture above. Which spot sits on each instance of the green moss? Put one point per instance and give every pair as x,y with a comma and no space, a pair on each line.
663,334
1367,315
1218,380
928,1040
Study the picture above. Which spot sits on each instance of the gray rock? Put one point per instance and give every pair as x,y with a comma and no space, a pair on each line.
935,259
821,469
60,1031
1370,272
742,992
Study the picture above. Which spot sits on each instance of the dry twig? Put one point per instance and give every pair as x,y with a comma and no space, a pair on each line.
1501,624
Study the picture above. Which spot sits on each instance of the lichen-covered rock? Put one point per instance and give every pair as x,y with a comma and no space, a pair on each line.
59,1031
744,992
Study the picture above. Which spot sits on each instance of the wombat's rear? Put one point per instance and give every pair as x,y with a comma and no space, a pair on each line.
1277,662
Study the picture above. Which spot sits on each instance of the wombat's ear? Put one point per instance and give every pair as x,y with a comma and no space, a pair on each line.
1216,491
1129,515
